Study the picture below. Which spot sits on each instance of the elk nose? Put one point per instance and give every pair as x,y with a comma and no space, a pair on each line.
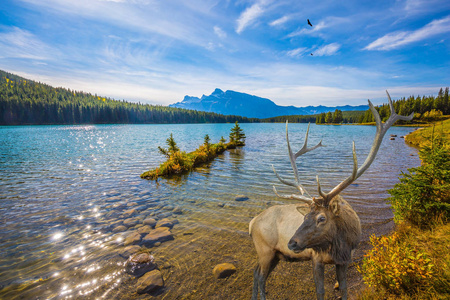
293,245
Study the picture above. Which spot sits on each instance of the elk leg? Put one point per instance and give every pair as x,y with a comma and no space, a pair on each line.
267,262
341,274
319,271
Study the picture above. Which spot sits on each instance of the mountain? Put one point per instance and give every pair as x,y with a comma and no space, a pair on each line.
241,104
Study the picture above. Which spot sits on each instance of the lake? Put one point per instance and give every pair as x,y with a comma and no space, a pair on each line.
64,188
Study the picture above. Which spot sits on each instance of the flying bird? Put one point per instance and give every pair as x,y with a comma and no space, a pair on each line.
309,23
311,54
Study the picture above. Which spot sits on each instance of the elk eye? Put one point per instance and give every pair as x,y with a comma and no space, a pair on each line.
321,219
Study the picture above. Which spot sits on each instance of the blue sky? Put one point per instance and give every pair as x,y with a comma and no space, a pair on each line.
158,51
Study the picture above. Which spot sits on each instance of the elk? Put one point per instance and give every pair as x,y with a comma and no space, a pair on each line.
323,229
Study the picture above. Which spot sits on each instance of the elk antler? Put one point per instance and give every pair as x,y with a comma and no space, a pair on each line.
357,172
293,157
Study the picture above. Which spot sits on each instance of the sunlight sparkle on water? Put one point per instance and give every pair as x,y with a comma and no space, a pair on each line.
57,236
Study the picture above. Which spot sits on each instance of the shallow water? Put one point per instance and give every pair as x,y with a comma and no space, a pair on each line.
64,188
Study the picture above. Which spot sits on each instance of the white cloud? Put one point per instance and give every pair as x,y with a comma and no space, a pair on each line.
296,52
279,21
249,16
19,43
219,32
327,50
397,39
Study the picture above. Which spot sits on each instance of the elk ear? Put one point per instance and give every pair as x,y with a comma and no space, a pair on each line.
303,209
335,206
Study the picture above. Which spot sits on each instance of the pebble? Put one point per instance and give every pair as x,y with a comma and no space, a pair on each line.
150,282
224,270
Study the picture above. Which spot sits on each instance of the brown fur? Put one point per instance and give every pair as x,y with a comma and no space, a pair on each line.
329,242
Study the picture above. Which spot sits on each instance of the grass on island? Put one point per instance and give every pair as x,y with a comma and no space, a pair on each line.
179,162
413,262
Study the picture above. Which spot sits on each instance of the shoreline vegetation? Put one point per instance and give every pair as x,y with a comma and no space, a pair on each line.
179,162
413,262
27,102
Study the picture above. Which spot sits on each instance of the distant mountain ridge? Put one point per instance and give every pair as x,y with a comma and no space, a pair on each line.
241,104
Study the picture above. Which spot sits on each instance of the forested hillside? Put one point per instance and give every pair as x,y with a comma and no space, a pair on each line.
425,108
23,101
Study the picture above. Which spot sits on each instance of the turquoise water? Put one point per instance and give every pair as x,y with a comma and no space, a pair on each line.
63,188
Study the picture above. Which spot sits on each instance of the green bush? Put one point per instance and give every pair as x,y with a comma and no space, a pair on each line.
423,194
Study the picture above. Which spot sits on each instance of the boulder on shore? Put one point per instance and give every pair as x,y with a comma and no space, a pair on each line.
224,270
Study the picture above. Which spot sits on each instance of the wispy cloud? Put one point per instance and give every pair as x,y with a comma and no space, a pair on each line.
327,50
296,52
249,16
400,38
279,21
18,43
219,32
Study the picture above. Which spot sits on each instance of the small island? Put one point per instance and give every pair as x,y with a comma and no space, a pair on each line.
179,162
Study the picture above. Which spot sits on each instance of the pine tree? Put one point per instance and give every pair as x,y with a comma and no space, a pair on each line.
172,147
237,135
207,142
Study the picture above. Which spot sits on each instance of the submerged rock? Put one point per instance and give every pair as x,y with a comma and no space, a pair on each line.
132,238
119,228
130,222
140,263
150,282
177,210
241,198
129,212
224,270
164,223
144,229
150,222
128,251
161,234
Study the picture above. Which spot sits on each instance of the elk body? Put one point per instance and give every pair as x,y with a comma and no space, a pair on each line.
325,229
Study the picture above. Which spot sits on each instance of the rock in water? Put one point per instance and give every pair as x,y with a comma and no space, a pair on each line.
164,223
119,228
150,282
160,234
132,238
224,270
150,222
140,263
241,198
127,251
